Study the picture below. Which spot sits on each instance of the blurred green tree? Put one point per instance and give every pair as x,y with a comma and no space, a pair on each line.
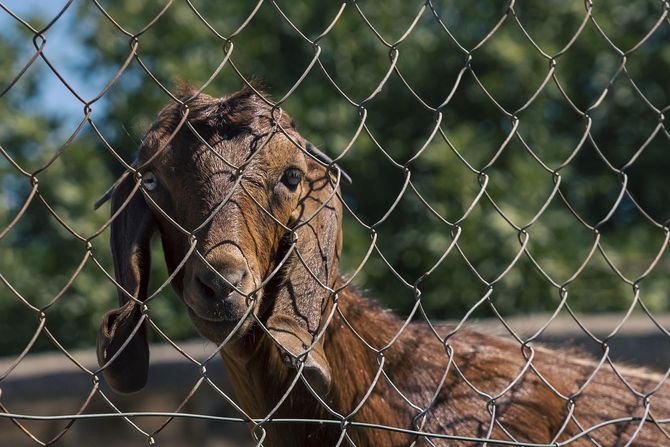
496,83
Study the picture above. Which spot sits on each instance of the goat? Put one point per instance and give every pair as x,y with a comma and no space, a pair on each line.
249,215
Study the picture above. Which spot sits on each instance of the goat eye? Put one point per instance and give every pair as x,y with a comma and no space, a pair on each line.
292,178
149,180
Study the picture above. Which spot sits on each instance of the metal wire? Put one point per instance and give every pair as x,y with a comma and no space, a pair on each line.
426,10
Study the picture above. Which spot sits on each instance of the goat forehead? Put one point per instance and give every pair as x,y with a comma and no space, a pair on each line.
208,175
257,160
186,158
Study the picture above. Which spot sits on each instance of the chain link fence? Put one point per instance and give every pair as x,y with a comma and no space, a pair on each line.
517,210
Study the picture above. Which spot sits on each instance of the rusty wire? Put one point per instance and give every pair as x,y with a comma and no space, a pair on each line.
427,9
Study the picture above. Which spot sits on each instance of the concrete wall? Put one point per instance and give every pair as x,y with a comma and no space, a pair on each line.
50,384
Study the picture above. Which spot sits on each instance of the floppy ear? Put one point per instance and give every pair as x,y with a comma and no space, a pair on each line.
130,243
303,302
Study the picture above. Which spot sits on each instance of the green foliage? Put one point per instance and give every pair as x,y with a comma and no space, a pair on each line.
38,257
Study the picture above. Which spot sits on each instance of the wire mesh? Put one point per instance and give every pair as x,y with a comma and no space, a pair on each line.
419,423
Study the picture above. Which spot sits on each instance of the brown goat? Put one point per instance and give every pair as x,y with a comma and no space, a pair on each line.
250,220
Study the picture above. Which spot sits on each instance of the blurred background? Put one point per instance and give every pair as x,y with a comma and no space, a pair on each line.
596,124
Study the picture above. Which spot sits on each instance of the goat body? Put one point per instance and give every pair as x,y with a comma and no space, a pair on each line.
431,377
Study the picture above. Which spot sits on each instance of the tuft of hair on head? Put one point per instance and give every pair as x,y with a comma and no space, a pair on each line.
184,89
192,96
250,107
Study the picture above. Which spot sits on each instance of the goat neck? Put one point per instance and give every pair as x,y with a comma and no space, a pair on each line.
261,378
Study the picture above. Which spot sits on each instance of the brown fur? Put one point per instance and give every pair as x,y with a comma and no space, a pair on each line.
529,411
433,384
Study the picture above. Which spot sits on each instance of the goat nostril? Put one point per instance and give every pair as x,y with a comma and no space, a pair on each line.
205,289
212,286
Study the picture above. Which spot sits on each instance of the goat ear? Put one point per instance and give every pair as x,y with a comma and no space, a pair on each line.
304,297
130,243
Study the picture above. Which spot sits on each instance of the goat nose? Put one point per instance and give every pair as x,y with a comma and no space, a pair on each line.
212,286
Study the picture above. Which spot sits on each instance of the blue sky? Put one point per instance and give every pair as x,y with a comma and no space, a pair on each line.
63,49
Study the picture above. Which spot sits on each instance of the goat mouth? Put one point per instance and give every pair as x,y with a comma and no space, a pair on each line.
217,317
217,330
208,318
226,310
